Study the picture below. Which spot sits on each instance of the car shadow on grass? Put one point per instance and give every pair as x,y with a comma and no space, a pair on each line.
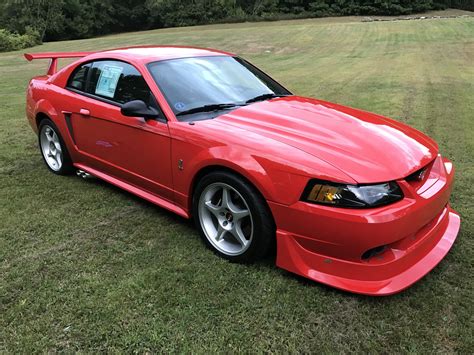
138,200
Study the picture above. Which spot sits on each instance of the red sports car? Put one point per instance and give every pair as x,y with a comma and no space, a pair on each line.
349,198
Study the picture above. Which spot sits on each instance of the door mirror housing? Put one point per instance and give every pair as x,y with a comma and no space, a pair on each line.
138,108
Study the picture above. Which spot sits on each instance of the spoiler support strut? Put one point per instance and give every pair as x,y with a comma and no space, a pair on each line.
54,56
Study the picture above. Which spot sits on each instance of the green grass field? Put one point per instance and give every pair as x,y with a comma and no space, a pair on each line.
85,266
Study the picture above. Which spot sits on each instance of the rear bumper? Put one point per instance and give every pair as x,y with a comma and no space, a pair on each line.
330,245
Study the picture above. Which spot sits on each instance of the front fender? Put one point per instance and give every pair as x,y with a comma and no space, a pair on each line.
278,171
237,160
189,161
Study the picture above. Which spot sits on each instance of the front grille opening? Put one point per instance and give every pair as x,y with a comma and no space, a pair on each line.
373,252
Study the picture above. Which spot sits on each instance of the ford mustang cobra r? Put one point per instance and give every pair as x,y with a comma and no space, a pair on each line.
349,198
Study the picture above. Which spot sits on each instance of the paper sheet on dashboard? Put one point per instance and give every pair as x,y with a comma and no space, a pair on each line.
108,80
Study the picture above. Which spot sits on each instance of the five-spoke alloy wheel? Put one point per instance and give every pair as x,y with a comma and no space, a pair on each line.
233,218
225,218
53,148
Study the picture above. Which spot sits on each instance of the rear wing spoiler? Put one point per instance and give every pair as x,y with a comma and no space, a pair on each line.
54,56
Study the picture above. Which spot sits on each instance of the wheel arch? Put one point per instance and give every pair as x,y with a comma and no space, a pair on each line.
44,109
208,169
40,116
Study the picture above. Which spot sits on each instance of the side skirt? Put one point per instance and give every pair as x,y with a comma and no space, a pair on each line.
135,190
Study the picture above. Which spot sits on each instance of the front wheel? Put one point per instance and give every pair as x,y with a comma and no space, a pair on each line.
232,217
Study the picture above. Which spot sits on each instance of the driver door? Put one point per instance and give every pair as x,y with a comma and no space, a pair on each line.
131,149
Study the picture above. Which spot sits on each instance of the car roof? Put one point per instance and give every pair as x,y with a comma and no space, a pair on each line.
148,54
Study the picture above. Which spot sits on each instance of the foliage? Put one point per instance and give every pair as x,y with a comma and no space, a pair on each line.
13,41
459,4
72,19
41,15
166,13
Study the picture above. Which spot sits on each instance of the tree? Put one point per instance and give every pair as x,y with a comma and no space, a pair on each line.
40,15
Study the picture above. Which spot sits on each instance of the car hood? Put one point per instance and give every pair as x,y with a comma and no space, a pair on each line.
367,147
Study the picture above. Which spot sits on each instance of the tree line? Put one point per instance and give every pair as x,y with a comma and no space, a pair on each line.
25,23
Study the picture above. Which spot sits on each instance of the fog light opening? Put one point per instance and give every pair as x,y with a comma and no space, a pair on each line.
373,252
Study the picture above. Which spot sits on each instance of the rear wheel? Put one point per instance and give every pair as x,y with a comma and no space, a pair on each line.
232,217
53,149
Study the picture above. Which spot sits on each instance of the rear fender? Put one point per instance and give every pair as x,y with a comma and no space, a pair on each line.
44,107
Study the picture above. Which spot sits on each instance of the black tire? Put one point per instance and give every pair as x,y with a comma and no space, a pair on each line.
66,167
263,237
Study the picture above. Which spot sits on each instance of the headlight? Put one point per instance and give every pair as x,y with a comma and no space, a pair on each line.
352,196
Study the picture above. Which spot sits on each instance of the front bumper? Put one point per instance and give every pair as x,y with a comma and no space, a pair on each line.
410,237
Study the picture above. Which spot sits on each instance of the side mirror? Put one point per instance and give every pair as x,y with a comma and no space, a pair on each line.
138,108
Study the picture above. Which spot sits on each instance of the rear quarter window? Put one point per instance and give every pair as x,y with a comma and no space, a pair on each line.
78,78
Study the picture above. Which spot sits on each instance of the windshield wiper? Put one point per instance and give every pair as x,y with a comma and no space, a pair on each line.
207,108
217,107
264,97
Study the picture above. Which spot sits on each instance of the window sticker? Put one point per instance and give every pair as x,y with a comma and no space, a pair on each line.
108,80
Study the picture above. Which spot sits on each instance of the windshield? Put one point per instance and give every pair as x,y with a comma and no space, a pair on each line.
211,84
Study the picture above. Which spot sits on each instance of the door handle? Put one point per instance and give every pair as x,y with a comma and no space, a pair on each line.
84,112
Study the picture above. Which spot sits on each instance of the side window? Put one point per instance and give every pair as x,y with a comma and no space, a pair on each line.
119,82
78,78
